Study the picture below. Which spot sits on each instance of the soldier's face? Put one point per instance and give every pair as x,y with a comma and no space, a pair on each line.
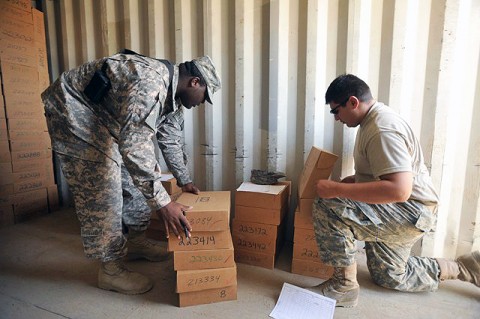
194,95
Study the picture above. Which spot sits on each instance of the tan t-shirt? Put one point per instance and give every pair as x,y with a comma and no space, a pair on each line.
385,144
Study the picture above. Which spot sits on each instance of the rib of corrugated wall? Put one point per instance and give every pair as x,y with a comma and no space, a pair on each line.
276,59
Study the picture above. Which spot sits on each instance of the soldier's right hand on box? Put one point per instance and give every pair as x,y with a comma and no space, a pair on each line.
174,219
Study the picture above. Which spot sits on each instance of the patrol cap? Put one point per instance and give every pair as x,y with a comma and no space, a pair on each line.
205,65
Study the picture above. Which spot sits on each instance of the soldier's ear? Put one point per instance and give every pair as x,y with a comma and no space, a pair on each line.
195,81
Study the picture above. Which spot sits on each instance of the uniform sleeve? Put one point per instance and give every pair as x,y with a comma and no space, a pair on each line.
141,107
171,143
388,152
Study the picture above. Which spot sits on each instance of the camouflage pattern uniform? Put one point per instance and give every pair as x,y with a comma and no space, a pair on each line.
389,232
107,147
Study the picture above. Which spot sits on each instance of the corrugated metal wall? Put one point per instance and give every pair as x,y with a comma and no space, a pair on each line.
276,59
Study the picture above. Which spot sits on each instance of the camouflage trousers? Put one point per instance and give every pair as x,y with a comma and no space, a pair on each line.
105,201
389,232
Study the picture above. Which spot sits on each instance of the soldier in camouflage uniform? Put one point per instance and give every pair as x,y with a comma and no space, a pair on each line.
107,153
389,203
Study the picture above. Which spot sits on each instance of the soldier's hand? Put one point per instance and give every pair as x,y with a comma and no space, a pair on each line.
190,188
174,218
327,189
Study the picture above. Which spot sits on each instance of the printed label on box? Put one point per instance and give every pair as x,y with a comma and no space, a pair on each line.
200,240
195,280
203,259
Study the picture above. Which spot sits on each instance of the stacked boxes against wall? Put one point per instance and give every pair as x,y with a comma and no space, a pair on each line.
27,185
205,265
306,260
156,229
258,226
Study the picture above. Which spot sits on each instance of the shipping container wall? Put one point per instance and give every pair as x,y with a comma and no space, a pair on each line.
276,59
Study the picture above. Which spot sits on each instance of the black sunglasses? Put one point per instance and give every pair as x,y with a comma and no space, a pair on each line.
334,111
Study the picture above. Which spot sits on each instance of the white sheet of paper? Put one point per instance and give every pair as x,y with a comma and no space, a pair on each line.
166,177
268,189
298,303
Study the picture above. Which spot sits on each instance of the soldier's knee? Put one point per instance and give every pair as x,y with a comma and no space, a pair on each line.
386,279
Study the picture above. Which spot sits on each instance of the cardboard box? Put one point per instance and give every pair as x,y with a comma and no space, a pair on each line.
175,196
312,269
319,165
28,144
22,98
304,236
170,184
203,279
38,25
17,75
16,9
25,5
29,185
3,135
204,259
3,122
29,204
255,258
28,156
303,219
210,210
50,175
200,240
208,296
5,168
32,175
7,177
253,245
5,192
12,51
305,205
29,197
305,245
260,215
15,30
255,236
32,111
43,81
22,135
21,124
27,165
5,155
272,196
306,253
3,115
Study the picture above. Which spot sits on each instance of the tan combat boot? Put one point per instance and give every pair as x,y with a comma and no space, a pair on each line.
465,268
342,286
113,275
138,246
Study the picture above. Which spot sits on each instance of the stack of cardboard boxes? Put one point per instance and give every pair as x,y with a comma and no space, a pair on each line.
27,186
204,264
258,226
306,260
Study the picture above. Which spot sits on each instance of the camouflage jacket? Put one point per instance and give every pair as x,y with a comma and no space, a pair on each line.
122,126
